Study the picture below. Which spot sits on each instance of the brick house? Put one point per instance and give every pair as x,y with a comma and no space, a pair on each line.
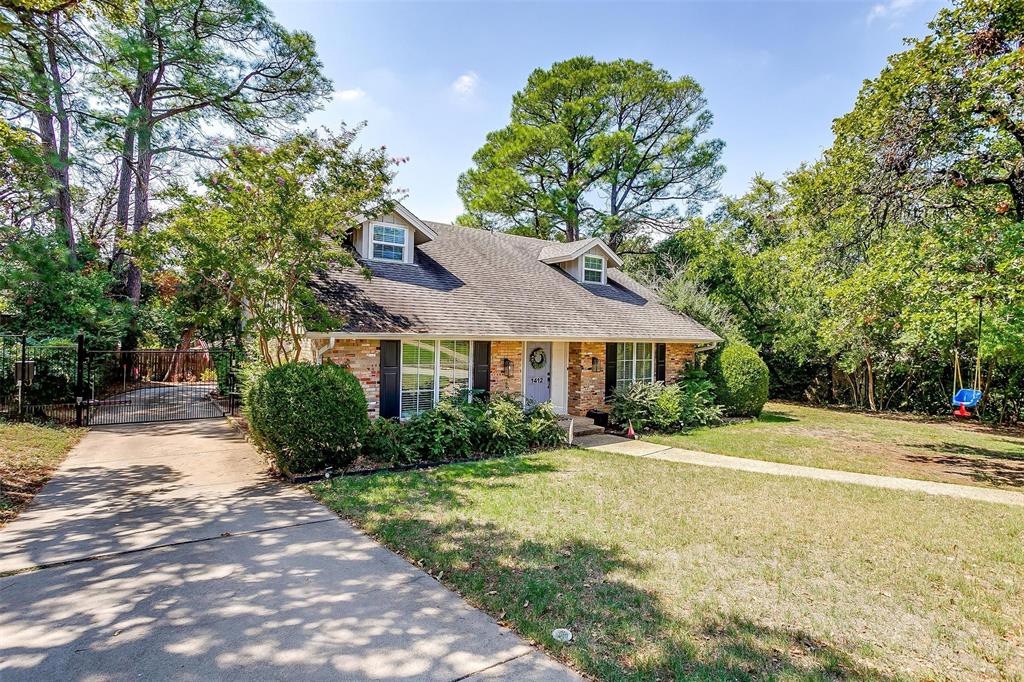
438,308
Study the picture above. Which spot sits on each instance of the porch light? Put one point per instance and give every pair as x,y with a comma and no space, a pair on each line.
506,366
595,363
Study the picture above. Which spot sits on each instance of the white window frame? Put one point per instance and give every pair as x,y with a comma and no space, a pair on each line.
584,269
437,373
633,363
374,241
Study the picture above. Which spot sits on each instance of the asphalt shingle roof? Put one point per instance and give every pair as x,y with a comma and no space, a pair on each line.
475,283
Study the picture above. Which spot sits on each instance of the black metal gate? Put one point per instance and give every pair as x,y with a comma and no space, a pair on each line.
73,384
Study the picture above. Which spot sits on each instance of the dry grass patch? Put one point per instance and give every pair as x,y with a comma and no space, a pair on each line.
932,450
667,571
29,453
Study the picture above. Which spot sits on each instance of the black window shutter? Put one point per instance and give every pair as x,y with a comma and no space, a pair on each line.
482,366
610,353
390,369
659,362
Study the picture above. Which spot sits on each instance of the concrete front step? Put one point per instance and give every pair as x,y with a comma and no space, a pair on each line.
581,426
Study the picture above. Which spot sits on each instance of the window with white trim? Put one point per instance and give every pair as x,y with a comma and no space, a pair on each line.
433,370
418,361
593,269
453,369
388,242
634,362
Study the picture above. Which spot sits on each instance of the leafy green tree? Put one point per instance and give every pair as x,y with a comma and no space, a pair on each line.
24,183
46,300
606,148
917,207
180,69
34,77
271,220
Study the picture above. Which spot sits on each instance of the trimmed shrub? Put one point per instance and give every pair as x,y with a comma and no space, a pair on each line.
446,432
665,407
741,380
542,429
386,443
249,374
309,417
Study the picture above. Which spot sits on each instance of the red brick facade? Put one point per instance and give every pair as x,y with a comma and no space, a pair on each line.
512,381
678,356
586,382
586,378
362,357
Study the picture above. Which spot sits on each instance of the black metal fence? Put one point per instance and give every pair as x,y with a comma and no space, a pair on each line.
73,384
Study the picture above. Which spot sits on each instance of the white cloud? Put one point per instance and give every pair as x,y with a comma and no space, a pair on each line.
890,9
466,84
350,95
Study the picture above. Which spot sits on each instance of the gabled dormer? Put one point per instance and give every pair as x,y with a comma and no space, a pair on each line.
586,261
391,238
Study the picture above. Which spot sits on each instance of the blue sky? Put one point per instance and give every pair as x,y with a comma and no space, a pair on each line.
431,79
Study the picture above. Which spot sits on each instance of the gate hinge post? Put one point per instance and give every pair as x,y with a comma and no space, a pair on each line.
80,379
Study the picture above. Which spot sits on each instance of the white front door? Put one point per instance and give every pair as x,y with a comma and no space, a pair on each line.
537,378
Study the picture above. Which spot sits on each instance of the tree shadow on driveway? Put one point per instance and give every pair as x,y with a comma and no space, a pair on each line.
166,559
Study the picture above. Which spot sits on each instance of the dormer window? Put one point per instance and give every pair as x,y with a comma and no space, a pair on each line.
586,261
593,269
389,242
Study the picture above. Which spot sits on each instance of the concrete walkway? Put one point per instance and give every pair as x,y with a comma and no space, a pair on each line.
164,552
639,448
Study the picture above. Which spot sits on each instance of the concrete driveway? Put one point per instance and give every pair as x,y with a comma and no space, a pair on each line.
164,552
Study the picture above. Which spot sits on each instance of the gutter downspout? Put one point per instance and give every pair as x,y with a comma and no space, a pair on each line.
326,348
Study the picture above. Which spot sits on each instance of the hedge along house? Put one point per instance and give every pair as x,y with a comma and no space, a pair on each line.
446,308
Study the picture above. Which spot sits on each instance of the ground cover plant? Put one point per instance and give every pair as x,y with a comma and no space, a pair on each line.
667,571
666,408
29,453
459,429
894,445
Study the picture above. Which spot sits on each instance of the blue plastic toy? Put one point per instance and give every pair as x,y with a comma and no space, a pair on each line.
967,397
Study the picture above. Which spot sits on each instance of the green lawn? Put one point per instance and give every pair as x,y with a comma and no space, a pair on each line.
668,571
28,455
951,452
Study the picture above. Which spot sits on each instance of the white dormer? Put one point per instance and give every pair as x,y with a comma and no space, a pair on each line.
391,238
586,261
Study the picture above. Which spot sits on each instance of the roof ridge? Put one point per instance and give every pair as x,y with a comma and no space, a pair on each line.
499,233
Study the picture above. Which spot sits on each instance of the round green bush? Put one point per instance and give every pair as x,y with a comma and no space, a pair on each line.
741,380
309,417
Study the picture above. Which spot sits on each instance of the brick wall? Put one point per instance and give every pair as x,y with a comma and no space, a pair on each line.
362,357
677,357
500,383
586,386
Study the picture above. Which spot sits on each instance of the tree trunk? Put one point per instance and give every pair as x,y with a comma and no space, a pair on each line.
124,193
144,168
51,116
60,200
63,147
176,370
854,393
572,224
870,388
